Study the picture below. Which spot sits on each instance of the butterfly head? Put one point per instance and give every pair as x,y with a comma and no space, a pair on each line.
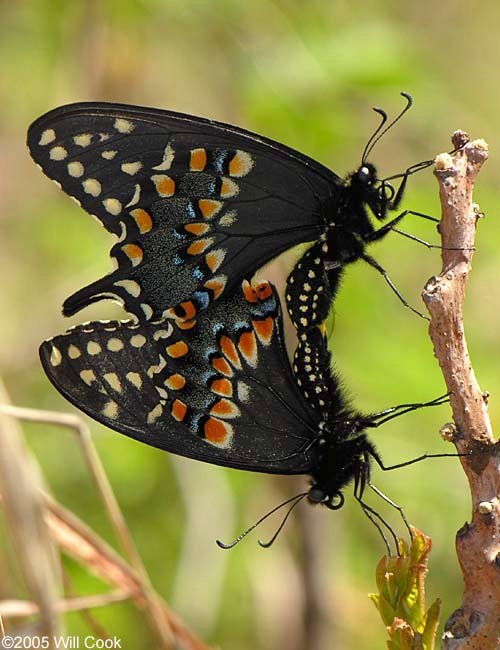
342,458
366,188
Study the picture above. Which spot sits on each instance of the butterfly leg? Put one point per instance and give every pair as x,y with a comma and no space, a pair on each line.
372,262
386,468
360,481
402,409
393,504
390,225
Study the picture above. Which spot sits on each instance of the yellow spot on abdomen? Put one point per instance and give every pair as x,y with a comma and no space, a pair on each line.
55,356
113,206
134,378
58,153
115,345
155,414
74,352
131,168
48,136
114,381
137,341
93,348
110,410
75,169
92,186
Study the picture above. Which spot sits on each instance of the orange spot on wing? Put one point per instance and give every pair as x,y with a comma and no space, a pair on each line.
224,408
214,259
240,164
222,387
142,219
179,410
221,365
177,350
216,431
197,228
186,324
247,345
199,246
264,329
175,382
228,188
264,290
134,253
216,285
198,160
209,207
230,351
187,310
249,292
165,186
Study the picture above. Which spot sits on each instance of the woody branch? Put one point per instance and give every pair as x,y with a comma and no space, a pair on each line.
476,623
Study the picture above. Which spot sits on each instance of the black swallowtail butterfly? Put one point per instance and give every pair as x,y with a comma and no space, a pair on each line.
222,391
198,205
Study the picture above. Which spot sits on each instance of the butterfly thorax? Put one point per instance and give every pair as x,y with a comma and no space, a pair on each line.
348,220
339,461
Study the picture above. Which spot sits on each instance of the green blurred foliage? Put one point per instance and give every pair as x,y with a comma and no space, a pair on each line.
306,74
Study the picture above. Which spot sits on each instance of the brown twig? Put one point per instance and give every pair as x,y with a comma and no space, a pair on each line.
476,624
76,539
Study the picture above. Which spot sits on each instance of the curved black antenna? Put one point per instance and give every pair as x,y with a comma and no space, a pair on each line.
373,140
296,498
381,112
280,527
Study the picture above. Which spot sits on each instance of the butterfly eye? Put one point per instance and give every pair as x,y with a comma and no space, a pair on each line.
316,495
364,174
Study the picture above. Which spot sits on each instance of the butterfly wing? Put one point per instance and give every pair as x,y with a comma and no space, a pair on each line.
197,205
221,391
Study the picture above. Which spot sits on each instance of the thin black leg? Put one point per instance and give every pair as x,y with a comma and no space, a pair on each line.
385,275
402,409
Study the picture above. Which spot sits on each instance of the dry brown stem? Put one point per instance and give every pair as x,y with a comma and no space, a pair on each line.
476,624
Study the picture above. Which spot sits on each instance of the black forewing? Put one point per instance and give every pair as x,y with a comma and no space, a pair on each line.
146,174
222,392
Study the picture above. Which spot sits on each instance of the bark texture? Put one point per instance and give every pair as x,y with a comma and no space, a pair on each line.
475,625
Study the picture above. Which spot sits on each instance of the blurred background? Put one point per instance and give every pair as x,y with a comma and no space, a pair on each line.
307,74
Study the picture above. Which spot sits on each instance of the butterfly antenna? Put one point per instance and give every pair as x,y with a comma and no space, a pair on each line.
379,133
296,498
280,527
368,147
